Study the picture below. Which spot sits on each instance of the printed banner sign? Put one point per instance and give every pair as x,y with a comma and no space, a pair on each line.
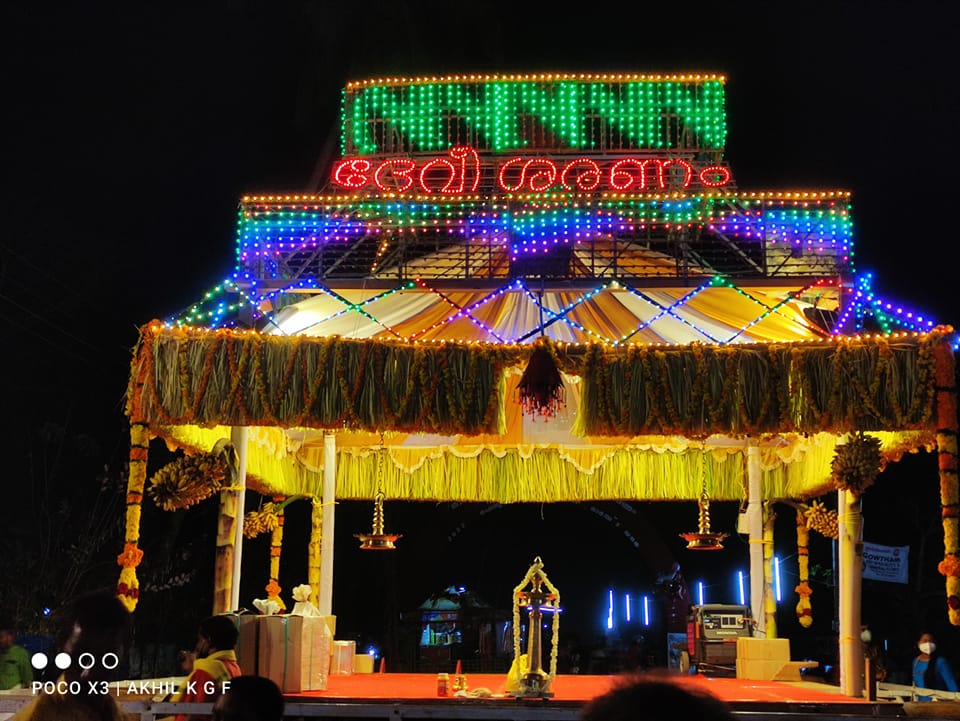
885,563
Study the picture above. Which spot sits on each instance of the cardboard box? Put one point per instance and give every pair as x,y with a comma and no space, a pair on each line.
363,663
758,670
791,670
331,624
294,651
248,641
763,649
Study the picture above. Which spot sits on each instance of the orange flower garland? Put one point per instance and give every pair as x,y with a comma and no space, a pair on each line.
947,423
276,542
128,587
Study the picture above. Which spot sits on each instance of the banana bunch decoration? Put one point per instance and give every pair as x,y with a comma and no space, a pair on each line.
264,520
857,463
818,517
188,480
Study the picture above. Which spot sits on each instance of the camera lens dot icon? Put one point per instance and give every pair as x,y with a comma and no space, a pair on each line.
39,661
62,661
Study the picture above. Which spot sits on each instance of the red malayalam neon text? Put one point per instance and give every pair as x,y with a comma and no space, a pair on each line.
462,170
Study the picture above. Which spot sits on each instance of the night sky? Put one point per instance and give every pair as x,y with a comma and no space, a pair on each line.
134,130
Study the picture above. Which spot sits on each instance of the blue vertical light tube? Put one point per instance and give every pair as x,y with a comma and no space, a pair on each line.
776,578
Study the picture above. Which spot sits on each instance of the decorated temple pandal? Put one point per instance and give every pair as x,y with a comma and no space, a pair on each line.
513,278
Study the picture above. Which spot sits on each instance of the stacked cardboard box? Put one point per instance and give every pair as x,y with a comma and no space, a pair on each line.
248,641
295,651
768,659
761,659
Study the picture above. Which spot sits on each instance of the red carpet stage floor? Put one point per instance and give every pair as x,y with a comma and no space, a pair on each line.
580,688
399,696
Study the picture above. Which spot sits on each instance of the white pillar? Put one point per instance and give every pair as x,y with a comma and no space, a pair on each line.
755,528
850,578
238,437
325,602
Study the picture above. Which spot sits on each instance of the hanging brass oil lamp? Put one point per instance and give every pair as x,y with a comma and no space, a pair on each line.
378,539
703,539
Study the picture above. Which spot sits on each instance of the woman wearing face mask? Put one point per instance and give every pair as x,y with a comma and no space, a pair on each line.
930,670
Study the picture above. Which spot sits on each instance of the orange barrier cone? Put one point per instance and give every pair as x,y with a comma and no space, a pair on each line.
459,668
383,664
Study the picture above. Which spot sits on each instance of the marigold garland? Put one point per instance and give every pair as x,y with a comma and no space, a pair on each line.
947,462
128,587
131,556
276,543
804,607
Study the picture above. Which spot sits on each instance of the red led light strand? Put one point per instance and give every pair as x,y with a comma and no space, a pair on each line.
586,181
400,169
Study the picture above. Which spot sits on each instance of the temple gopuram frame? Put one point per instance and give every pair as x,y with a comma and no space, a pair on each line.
482,230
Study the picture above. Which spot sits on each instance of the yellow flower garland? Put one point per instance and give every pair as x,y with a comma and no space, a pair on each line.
276,542
128,586
949,495
804,607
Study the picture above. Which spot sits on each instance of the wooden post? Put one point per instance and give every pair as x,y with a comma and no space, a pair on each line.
870,677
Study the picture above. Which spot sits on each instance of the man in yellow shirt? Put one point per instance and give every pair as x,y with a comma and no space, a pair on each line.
214,663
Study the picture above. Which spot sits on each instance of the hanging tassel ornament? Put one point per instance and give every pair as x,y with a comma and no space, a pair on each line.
540,391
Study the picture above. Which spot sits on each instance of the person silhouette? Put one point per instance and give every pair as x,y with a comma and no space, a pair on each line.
655,697
249,698
97,626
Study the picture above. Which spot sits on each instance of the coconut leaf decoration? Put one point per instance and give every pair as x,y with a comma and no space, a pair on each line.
857,463
188,480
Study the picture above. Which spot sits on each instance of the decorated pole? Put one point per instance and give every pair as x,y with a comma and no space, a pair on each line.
755,527
314,554
276,549
226,574
238,436
849,582
326,544
769,599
